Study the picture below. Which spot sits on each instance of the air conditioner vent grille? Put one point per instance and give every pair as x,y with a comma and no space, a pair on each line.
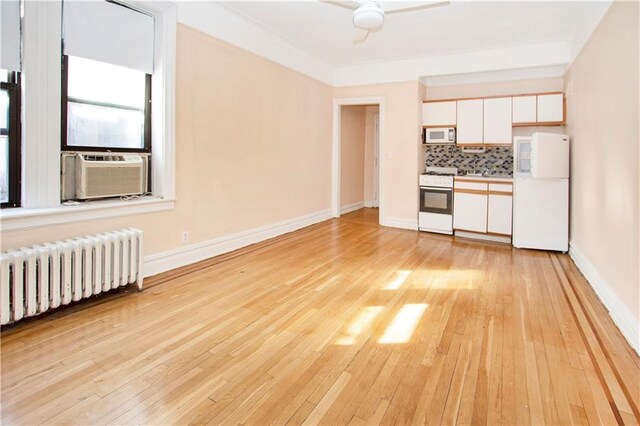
111,181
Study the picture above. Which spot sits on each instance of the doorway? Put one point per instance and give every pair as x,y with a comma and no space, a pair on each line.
357,169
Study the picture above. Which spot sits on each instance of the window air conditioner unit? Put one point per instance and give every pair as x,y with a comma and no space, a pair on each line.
109,175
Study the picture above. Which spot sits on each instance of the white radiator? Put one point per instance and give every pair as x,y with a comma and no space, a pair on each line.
36,279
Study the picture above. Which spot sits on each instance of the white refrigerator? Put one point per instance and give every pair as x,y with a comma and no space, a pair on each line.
541,192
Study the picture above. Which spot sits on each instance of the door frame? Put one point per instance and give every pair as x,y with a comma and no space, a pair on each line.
376,159
336,146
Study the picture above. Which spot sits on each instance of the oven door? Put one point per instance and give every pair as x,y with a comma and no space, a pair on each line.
436,200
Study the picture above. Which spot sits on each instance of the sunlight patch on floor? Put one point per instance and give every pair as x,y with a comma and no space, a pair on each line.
398,280
359,325
401,328
453,278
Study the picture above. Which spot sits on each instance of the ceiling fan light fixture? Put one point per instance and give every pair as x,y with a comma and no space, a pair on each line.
368,16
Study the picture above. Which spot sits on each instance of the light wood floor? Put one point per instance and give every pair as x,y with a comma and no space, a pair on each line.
343,322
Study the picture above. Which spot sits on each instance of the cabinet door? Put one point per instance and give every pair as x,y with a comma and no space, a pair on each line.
524,109
469,122
500,214
551,108
470,212
497,120
439,114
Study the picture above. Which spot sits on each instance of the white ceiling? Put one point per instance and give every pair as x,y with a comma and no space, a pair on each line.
325,31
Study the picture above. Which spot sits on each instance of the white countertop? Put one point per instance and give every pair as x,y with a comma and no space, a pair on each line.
485,179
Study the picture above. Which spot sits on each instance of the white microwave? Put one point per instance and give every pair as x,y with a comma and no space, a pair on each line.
440,135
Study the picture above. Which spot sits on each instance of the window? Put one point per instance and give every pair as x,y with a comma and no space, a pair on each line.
105,107
9,139
132,35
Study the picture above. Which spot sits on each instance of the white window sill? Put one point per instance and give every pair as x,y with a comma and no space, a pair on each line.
26,218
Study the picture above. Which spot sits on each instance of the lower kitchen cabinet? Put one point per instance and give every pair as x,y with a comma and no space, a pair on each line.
470,212
500,213
483,208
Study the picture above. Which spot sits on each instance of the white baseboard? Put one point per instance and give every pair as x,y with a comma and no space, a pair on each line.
369,204
396,222
619,312
172,259
351,207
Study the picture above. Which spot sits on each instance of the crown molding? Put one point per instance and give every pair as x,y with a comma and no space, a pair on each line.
523,57
495,76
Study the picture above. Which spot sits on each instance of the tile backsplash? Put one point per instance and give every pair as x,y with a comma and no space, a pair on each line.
495,159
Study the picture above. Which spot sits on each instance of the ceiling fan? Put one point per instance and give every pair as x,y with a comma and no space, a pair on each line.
368,15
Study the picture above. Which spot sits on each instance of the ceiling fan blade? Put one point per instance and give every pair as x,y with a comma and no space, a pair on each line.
391,7
360,35
351,5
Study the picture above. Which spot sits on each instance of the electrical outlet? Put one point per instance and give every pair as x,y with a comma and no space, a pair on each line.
185,236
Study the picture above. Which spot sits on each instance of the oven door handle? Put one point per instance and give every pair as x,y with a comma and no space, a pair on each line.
433,188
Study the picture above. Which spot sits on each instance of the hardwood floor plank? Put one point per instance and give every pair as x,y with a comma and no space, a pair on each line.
327,400
343,322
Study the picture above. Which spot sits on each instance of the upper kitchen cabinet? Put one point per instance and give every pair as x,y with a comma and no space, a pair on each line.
470,122
439,114
524,110
497,121
550,108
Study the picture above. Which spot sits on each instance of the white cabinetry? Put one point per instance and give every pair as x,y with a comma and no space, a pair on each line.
491,120
470,212
483,207
439,114
550,108
500,214
470,122
524,109
497,121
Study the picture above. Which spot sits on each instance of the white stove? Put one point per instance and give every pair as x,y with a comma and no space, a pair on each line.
436,180
436,200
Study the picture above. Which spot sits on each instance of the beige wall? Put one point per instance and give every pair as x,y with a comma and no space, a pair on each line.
371,116
253,147
352,145
602,107
422,152
401,142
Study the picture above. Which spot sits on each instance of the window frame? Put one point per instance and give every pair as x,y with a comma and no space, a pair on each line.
64,119
13,87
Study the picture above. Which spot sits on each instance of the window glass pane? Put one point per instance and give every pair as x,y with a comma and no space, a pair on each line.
105,83
4,169
4,76
4,146
97,126
4,110
105,106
